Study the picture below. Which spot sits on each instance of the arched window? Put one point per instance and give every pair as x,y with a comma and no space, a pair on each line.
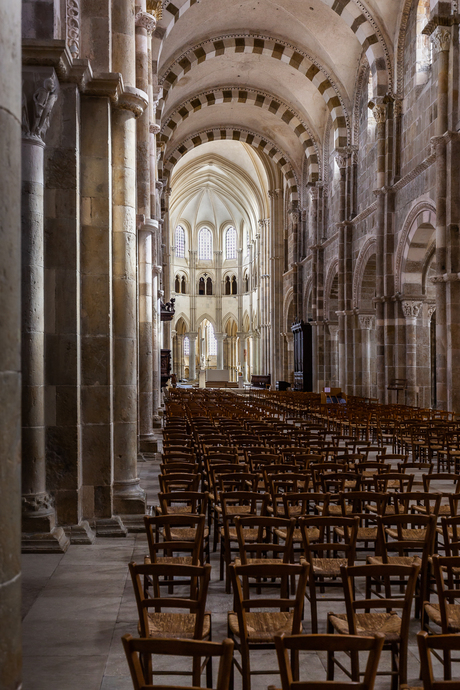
234,286
186,346
177,284
423,44
201,286
180,242
246,283
205,244
230,243
212,342
183,285
227,285
209,286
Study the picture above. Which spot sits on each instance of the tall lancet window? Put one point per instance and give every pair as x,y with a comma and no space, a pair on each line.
212,342
180,242
230,243
205,244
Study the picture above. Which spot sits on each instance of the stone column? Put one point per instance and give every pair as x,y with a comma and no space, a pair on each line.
366,323
40,533
192,357
145,25
129,498
241,341
275,271
379,112
10,345
441,40
411,310
341,160
220,337
166,266
334,333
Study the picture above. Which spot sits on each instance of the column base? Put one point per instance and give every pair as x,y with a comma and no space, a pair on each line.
55,541
134,523
110,527
156,422
148,444
81,534
128,498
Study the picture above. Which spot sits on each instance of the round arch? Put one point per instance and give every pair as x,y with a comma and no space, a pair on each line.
415,238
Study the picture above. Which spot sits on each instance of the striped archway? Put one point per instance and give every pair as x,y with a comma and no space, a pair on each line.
260,99
244,136
272,49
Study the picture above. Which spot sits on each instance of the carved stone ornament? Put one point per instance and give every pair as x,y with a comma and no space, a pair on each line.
366,322
341,158
159,186
144,20
411,309
379,112
441,39
154,128
73,26
333,330
133,99
36,503
431,310
39,94
155,7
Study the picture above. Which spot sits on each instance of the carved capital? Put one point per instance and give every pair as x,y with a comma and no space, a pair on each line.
154,128
441,39
147,21
431,310
379,112
39,94
72,20
411,309
133,99
155,7
159,186
157,94
366,322
341,158
333,329
36,503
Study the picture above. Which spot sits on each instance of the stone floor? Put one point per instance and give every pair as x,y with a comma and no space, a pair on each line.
77,606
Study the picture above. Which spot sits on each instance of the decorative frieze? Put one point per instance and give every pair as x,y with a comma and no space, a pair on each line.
366,322
73,27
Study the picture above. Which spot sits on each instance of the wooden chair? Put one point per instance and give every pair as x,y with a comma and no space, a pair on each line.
446,613
323,557
173,616
395,628
174,534
179,481
236,503
257,619
350,644
140,649
412,537
435,644
258,536
366,506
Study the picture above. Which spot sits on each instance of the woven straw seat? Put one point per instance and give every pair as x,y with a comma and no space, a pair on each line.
407,534
186,533
367,623
166,625
364,533
395,560
313,534
263,626
175,560
453,615
251,535
337,510
329,567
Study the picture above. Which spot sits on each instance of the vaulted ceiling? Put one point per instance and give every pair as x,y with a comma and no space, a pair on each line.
269,72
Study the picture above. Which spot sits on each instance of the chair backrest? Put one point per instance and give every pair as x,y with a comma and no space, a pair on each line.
179,481
195,502
282,573
446,570
193,602
322,546
326,643
394,482
407,532
438,643
305,503
135,649
406,502
443,477
263,531
360,501
160,538
384,573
